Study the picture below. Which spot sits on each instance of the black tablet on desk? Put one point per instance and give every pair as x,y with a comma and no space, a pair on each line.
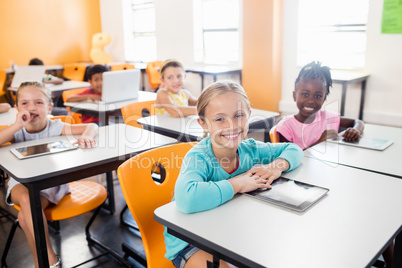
42,149
291,194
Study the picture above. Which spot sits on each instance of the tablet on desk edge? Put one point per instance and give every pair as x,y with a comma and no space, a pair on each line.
364,142
25,152
291,194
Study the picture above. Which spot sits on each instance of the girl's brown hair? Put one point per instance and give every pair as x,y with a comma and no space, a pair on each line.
170,63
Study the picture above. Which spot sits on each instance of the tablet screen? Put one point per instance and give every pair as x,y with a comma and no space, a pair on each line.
42,149
291,194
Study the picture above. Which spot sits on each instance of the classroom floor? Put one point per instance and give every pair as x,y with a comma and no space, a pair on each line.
70,243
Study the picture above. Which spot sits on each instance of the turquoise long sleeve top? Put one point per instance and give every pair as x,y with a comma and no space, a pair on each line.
203,184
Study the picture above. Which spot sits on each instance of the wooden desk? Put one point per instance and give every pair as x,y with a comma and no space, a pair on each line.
8,117
187,128
103,110
115,144
383,162
349,77
349,227
213,70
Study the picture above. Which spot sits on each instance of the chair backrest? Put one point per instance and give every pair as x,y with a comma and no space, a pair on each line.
153,73
7,143
74,71
67,93
3,77
64,118
119,67
143,195
273,135
134,111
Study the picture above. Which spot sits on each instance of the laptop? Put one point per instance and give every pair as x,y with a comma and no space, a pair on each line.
28,74
120,85
364,142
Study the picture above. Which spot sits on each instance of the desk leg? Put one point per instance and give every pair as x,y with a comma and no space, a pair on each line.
215,263
397,259
202,81
343,99
39,230
362,99
110,193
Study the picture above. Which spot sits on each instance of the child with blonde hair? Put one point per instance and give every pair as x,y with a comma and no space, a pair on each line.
171,98
34,103
223,164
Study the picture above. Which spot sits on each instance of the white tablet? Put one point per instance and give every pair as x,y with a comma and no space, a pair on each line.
291,194
42,149
364,142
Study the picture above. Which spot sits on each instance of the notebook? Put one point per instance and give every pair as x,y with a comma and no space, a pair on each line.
42,149
120,85
28,74
364,142
290,194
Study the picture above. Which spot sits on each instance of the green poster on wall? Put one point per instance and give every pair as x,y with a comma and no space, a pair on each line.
392,17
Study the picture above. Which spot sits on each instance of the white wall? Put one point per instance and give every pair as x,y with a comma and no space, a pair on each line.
383,63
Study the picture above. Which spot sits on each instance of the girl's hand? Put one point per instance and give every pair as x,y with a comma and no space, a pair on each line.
23,118
247,182
86,142
351,134
267,172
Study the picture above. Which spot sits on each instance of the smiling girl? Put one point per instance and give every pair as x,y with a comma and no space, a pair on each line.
221,165
313,125
171,98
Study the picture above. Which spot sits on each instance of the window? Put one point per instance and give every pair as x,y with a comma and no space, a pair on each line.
333,32
144,30
217,37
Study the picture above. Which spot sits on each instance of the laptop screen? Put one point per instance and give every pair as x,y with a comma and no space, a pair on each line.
28,74
120,85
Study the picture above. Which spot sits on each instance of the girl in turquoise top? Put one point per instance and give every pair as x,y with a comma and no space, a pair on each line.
221,165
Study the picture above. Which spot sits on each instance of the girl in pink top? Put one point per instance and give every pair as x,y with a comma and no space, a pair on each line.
311,125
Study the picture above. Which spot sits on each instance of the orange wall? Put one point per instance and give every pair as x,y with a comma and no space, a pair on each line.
262,52
56,31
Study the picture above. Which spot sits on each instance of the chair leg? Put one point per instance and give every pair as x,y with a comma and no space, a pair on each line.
92,240
8,244
123,222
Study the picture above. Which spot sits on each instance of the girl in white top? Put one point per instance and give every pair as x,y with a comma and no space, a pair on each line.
171,98
34,103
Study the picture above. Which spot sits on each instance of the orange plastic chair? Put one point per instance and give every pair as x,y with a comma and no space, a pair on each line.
77,116
3,78
143,195
74,71
64,118
153,73
273,135
134,111
84,197
120,67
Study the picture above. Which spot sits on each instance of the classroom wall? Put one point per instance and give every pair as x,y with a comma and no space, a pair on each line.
383,63
55,31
